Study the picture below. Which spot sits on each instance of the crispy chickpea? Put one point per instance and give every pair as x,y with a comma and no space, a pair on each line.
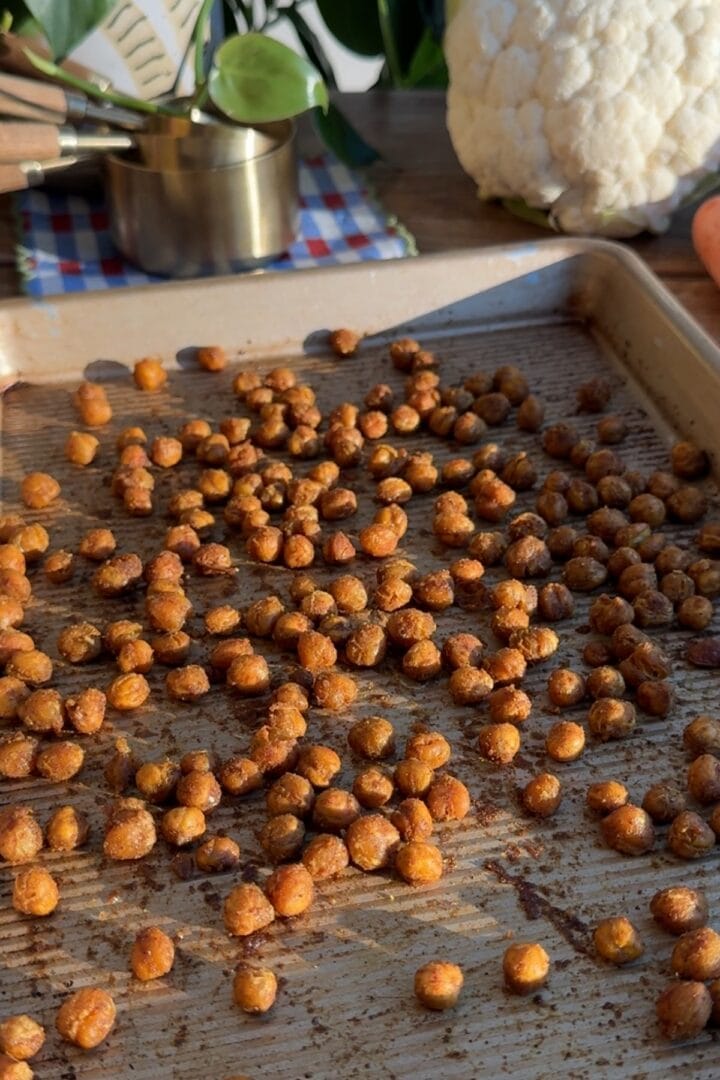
652,608
462,650
679,909
18,754
349,594
33,541
509,705
683,1009
695,613
542,795
128,692
152,954
372,842
325,857
688,461
217,855
79,643
130,831
447,799
254,989
187,683
20,835
526,967
149,374
290,890
697,955
21,1038
198,788
583,573
92,404
182,825
687,505
372,737
81,448
438,984
499,743
59,567
66,830
290,794
413,777
604,796
610,718
38,490
97,545
373,787
272,752
505,666
86,710
249,675
535,643
467,685
419,862
281,837
566,687
555,602
86,1018
689,837
335,691
12,641
703,779
617,941
655,697
663,802
240,776
702,736
31,666
60,761
604,681
565,741
43,712
13,691
629,830
35,892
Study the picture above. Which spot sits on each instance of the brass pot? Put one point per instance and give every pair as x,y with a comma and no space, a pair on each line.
188,222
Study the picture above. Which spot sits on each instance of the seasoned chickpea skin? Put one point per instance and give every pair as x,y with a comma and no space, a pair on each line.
438,984
290,890
152,954
525,967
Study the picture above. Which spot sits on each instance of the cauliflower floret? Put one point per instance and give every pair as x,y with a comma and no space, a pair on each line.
606,113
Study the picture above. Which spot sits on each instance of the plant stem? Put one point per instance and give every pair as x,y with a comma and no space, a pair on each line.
47,67
198,36
391,53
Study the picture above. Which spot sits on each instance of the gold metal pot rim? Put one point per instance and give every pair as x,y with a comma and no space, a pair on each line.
280,144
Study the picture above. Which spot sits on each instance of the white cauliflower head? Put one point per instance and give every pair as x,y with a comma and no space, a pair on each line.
606,113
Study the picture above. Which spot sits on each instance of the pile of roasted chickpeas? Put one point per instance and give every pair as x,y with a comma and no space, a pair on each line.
277,482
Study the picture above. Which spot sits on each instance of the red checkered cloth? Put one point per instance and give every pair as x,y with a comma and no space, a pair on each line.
65,243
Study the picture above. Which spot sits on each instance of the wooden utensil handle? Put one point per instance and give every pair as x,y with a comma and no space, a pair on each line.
12,178
24,97
28,142
13,58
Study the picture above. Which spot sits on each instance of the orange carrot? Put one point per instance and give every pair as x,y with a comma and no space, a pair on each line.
706,236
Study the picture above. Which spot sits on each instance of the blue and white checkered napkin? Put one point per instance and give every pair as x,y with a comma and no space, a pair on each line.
65,243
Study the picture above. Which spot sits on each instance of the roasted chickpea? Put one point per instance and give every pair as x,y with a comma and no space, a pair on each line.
526,967
21,1038
59,567
149,374
565,741
152,954
128,692
86,1018
60,761
468,685
249,675
604,796
13,691
66,829
18,754
695,613
290,794
505,666
335,691
247,910
617,941
629,830
217,855
372,737
373,787
326,856
372,842
542,795
130,831
35,892
240,776
447,799
499,743
419,862
679,909
683,1009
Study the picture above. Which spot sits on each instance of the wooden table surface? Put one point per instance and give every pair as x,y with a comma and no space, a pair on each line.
420,181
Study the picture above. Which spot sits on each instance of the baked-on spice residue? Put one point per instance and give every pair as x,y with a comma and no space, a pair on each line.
569,926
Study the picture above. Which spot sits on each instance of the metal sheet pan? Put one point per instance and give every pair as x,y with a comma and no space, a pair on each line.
563,310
